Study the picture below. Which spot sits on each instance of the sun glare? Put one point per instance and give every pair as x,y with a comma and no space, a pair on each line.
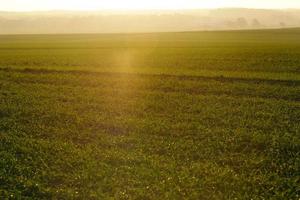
26,5
133,4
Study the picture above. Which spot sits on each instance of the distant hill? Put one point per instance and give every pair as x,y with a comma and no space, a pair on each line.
145,21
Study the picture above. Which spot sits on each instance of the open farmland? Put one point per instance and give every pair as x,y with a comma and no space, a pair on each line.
200,115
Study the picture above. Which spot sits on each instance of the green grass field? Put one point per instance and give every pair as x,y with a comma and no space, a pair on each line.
203,115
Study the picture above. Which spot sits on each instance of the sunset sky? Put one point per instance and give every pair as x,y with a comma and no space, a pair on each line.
30,5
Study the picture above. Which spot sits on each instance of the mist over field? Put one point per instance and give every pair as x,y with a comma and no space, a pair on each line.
145,21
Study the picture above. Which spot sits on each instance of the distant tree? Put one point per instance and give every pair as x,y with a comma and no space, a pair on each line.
282,24
230,24
242,22
256,24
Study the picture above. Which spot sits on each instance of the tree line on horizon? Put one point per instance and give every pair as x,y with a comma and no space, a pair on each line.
156,21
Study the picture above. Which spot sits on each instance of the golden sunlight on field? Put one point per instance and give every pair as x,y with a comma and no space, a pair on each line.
149,99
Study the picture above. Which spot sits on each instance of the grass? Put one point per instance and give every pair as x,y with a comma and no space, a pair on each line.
204,115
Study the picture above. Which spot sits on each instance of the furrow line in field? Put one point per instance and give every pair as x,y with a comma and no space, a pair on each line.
171,76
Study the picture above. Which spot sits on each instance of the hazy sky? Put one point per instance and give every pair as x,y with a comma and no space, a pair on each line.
28,5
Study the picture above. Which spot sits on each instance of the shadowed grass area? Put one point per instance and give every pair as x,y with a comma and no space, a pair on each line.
209,115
